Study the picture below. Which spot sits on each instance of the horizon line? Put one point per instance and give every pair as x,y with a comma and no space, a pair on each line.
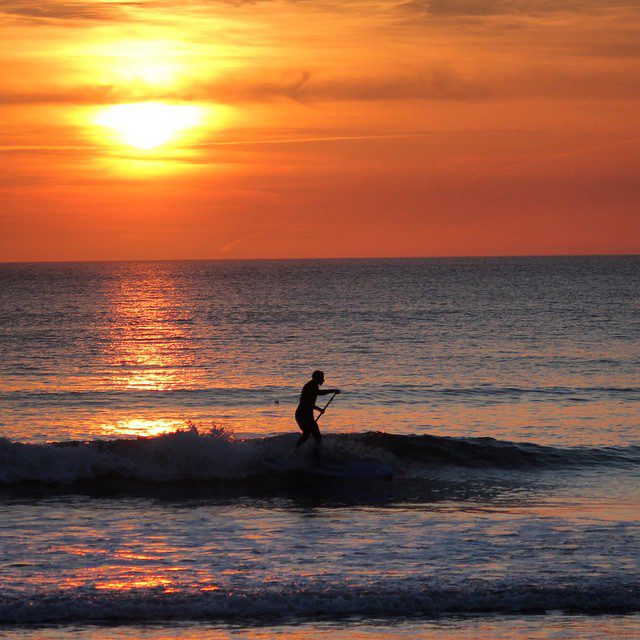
332,258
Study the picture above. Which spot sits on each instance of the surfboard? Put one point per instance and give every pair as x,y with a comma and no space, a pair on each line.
351,469
354,469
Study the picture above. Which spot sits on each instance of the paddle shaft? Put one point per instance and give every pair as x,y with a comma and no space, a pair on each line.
325,406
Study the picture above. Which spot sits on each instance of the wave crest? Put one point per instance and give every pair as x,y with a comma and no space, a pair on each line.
382,599
191,456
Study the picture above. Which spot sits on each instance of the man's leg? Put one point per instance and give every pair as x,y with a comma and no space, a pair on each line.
303,438
302,423
314,430
317,436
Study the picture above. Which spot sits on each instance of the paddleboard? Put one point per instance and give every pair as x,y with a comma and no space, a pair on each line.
331,469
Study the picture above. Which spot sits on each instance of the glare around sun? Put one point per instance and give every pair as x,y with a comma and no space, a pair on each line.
147,125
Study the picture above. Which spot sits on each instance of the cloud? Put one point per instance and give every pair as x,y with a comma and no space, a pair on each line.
297,89
478,8
435,84
454,7
71,95
112,10
440,83
613,48
62,10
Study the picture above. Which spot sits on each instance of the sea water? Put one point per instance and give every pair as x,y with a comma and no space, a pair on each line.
142,405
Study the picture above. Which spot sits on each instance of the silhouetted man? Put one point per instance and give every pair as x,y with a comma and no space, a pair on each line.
304,413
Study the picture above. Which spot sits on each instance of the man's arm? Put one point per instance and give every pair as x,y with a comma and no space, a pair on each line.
325,392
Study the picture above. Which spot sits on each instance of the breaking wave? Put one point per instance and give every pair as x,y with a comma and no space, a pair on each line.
382,599
192,456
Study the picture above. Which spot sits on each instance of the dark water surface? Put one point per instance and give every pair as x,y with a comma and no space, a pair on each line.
540,349
506,483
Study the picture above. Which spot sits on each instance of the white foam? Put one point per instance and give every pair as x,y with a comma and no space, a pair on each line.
188,455
182,455
176,456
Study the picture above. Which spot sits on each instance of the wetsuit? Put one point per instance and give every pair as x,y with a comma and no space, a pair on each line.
304,413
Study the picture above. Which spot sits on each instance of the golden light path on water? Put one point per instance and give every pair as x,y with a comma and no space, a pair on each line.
133,577
147,348
140,427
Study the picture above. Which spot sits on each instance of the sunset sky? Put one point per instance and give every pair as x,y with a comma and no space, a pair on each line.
166,129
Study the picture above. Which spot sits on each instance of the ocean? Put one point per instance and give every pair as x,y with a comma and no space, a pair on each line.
479,475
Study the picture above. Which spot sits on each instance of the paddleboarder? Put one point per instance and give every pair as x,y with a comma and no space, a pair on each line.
304,412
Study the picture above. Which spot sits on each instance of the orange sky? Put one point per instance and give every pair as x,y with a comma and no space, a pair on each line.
323,128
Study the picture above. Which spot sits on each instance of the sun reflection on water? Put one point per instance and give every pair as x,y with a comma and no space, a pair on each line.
141,427
126,578
147,582
148,346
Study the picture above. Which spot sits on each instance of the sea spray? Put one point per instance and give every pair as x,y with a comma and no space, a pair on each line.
187,455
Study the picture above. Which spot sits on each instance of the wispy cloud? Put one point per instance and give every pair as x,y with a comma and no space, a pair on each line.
70,95
478,8
117,9
108,10
437,84
62,10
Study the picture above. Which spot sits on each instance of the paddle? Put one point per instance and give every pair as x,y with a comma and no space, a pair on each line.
325,406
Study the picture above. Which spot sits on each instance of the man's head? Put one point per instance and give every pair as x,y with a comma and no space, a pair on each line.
318,376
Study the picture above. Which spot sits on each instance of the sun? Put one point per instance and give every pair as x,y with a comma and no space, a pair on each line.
147,125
